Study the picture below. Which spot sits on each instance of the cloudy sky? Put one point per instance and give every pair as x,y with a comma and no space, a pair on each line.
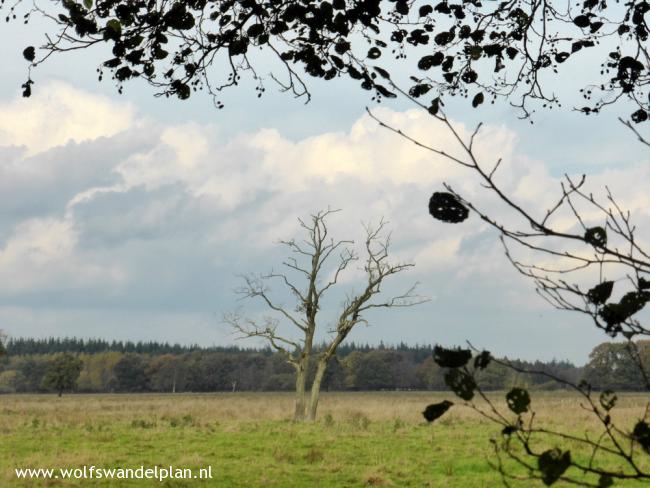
130,217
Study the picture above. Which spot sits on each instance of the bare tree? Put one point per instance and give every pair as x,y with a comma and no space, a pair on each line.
3,338
319,261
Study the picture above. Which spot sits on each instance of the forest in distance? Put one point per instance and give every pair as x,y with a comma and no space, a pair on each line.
114,367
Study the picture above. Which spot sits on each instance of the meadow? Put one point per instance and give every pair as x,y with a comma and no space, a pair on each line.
360,439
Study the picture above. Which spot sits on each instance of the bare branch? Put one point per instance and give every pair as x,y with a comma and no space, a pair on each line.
255,288
629,125
247,328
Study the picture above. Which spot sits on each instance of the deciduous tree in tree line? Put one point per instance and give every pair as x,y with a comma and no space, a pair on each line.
3,338
63,373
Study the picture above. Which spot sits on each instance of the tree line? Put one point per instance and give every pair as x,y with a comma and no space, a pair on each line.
117,367
21,346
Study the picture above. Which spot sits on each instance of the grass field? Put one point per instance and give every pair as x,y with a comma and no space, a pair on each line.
361,439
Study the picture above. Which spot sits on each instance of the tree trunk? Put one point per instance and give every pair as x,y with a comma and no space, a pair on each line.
301,377
315,387
60,393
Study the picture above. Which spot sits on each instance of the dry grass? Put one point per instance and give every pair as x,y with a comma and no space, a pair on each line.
556,408
361,439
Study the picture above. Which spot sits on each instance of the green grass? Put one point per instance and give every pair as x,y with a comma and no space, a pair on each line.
360,439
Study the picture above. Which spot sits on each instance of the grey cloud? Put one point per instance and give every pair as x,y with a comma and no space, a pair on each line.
43,184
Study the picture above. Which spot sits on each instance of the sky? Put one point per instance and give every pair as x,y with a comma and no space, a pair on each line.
134,217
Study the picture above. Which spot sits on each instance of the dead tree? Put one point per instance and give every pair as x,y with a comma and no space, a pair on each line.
318,261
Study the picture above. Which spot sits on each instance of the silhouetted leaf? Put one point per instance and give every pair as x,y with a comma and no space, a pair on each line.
238,46
462,384
590,4
469,76
114,26
631,303
338,62
596,236
595,26
418,36
113,63
29,53
482,360
552,464
451,358
402,7
444,38
382,72
159,53
436,410
433,110
639,116
581,21
600,293
374,53
426,62
562,57
447,65
425,10
634,301
518,400
608,400
123,73
177,17
509,430
576,46
443,8
474,52
641,434
27,88
644,284
623,29
447,208
384,92
613,315
182,89
420,89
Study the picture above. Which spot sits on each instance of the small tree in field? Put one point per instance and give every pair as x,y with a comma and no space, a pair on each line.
63,373
319,261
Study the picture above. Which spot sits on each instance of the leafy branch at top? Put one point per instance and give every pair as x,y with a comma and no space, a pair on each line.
480,50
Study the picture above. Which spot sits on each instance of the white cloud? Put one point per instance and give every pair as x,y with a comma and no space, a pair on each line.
58,113
41,256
